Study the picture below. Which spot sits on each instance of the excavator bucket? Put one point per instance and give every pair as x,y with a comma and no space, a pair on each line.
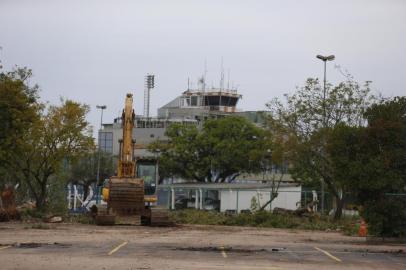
126,196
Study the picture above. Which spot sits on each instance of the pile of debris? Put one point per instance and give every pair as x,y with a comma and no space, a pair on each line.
8,210
303,211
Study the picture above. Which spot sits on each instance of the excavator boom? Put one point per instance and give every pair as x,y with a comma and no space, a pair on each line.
126,162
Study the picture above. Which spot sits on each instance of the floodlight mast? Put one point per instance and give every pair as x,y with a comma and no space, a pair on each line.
149,84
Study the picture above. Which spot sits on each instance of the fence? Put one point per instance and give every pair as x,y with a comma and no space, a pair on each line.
240,200
230,199
77,203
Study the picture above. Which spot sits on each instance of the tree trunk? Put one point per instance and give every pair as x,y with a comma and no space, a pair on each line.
274,195
40,202
41,199
337,196
339,208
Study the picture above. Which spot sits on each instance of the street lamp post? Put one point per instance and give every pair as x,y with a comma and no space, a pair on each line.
324,59
157,153
101,107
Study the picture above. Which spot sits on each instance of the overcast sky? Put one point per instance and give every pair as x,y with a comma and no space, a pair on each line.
96,51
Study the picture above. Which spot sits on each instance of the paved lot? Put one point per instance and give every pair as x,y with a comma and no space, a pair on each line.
68,246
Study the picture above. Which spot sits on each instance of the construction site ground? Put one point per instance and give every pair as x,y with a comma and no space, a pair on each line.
77,246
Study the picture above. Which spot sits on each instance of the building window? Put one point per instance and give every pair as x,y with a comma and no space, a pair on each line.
106,141
193,100
186,102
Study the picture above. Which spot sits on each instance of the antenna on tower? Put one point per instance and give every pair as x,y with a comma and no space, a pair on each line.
222,75
204,75
1,66
228,79
200,81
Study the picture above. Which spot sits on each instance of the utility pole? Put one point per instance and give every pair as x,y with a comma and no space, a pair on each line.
101,107
324,59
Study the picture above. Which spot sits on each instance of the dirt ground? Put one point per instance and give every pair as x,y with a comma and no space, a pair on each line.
73,246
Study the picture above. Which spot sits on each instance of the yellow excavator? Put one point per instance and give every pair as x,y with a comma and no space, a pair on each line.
125,194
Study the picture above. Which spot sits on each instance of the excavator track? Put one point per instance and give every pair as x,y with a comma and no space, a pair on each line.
160,217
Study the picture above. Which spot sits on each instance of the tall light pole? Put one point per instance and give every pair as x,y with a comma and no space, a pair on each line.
324,59
101,108
157,153
149,84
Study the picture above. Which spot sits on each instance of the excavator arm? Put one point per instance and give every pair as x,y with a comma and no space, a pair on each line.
126,162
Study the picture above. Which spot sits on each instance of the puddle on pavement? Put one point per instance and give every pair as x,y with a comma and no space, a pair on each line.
389,251
37,245
219,249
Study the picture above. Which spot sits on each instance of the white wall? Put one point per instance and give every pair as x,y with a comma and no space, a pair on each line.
287,198
228,200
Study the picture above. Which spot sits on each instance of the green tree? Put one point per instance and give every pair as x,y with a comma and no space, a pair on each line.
383,162
19,110
58,136
218,152
84,170
343,148
371,161
304,122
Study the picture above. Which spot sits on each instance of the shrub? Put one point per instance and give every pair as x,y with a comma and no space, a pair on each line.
386,217
262,219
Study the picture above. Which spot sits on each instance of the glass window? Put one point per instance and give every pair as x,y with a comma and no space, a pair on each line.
193,100
106,141
186,101
147,171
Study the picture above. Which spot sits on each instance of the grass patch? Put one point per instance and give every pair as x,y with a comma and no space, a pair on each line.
33,215
80,218
263,219
39,226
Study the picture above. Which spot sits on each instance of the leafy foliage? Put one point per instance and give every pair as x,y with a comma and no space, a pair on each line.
83,171
371,162
304,123
61,135
218,152
306,111
19,110
260,219
39,140
383,160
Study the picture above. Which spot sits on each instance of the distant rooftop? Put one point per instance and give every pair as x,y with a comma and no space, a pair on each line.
200,103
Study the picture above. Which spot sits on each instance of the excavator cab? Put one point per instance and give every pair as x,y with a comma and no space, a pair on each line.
147,170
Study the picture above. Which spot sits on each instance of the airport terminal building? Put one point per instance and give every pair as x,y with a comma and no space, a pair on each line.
193,107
